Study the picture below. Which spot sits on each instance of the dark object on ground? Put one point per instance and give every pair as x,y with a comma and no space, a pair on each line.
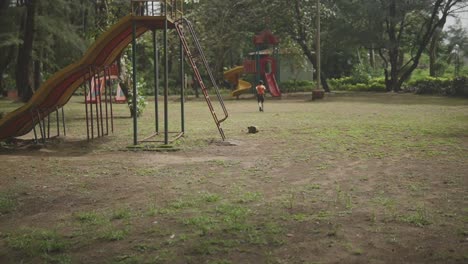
252,129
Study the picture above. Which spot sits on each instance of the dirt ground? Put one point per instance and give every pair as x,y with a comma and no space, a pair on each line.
352,178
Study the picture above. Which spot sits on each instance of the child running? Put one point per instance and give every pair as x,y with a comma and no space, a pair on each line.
260,95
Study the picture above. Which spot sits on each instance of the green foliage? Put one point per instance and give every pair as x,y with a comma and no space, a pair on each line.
296,86
140,99
431,85
359,80
460,86
360,74
377,85
351,84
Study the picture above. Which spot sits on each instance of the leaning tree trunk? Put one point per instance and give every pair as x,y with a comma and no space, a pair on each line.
433,53
24,64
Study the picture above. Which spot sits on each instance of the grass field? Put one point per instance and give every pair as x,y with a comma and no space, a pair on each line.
353,178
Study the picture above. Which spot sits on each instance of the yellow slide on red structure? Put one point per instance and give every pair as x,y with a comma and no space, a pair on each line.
233,76
58,89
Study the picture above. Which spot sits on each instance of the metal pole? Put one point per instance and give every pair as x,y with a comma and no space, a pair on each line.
257,65
182,86
86,106
106,89
96,83
48,125
156,80
41,128
44,128
317,52
111,110
63,122
101,82
134,103
34,127
58,121
91,81
166,85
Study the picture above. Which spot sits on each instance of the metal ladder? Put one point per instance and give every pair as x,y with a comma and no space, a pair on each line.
195,55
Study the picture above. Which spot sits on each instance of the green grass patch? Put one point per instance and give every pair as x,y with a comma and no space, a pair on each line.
7,203
419,218
112,233
36,242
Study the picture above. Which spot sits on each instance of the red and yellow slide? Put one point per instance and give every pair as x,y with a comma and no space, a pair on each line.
233,76
58,89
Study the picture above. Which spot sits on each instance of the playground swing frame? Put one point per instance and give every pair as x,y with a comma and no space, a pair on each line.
167,10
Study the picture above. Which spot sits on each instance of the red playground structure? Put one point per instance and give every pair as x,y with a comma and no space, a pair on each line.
98,85
265,63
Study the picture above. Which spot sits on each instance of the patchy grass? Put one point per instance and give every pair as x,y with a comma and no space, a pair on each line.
39,243
7,203
351,178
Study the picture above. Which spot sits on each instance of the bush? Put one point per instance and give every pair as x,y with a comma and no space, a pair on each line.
460,86
350,84
377,85
341,84
431,85
140,100
296,86
360,74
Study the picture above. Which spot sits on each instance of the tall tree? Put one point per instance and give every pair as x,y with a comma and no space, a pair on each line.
413,23
297,22
24,64
227,35
9,40
433,48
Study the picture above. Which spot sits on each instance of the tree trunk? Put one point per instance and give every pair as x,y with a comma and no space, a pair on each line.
399,74
433,53
432,58
37,75
5,60
372,57
23,68
124,81
301,38
6,53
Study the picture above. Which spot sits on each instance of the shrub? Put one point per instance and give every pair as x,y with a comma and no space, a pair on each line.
140,100
350,84
360,74
341,84
296,86
431,85
460,86
377,85
359,87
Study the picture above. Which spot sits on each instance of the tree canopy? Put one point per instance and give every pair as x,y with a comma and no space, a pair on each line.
39,37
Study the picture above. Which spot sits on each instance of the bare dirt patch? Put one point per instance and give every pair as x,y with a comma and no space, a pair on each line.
360,178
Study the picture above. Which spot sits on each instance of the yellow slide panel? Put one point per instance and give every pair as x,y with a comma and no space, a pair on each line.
232,76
